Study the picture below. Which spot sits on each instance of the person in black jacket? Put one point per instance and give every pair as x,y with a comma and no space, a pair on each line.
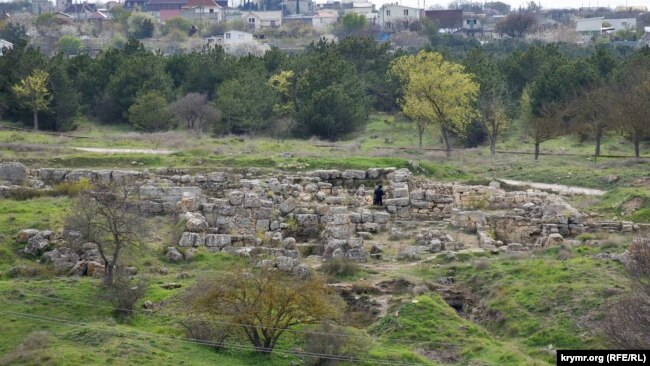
379,195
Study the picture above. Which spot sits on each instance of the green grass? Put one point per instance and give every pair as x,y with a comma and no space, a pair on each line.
434,327
552,300
613,203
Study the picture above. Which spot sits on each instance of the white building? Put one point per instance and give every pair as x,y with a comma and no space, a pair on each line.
621,24
256,20
396,17
5,44
323,18
590,26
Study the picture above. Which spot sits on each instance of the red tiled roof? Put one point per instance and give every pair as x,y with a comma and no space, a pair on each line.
200,3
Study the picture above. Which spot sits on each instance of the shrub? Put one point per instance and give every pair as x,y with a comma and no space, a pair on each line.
123,295
329,339
206,331
71,188
32,351
338,267
584,237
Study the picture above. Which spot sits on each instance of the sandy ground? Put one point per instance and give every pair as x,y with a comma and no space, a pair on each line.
555,188
125,151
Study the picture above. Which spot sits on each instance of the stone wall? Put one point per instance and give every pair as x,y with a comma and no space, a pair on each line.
252,209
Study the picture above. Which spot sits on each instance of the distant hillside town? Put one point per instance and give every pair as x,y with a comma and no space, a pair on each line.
253,26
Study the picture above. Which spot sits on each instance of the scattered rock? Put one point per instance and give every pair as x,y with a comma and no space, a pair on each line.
25,234
196,223
36,245
148,305
376,251
14,173
171,285
173,255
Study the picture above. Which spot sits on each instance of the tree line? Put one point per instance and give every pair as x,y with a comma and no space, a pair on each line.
469,96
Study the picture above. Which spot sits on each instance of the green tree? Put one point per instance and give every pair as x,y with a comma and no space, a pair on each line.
436,91
141,25
352,24
149,113
69,45
263,304
33,92
517,24
323,73
64,107
14,33
135,75
246,103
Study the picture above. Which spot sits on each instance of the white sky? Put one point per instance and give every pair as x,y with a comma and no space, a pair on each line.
515,3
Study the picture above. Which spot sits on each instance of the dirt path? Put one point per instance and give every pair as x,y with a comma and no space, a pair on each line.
124,151
555,188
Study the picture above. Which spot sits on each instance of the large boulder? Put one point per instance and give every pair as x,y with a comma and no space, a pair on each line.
36,244
196,223
62,259
173,255
286,264
14,173
288,206
25,234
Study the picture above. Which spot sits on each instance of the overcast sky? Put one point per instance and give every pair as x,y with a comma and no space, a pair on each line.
545,3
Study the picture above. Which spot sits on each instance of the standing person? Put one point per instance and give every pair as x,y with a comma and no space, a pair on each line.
379,195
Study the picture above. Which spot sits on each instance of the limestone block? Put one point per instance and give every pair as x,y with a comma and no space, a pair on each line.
380,217
217,240
400,202
251,200
236,198
307,219
354,174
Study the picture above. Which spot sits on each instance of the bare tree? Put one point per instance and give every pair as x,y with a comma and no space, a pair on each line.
545,125
491,104
195,112
592,113
628,322
107,215
632,108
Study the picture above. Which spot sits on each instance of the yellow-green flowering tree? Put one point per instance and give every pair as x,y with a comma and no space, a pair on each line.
436,91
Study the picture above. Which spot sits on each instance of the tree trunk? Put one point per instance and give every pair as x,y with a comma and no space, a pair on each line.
420,133
110,274
537,151
599,135
35,119
445,137
637,150
493,144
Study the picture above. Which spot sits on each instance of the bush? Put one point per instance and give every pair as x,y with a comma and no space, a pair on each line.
123,295
32,351
333,340
69,45
206,331
71,188
338,267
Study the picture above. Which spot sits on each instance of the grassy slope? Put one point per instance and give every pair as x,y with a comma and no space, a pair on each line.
554,299
532,302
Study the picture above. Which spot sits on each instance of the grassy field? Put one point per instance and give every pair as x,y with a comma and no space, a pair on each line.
521,307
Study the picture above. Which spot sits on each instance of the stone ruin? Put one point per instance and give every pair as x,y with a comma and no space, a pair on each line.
329,212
